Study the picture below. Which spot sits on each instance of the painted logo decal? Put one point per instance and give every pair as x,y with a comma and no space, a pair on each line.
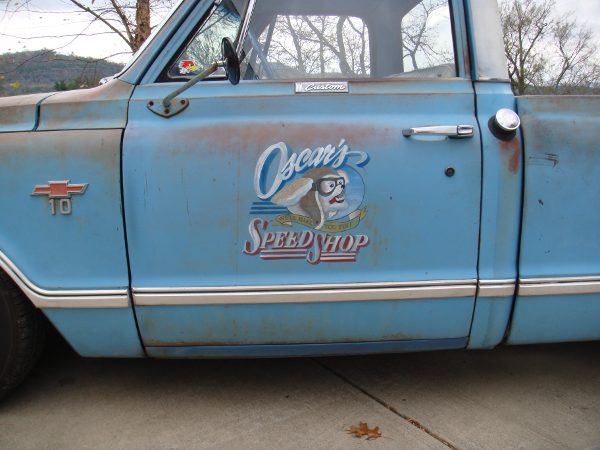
320,189
60,192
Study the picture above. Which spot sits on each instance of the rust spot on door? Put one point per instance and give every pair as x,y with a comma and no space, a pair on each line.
513,149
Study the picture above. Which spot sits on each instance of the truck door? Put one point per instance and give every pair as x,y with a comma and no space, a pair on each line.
307,205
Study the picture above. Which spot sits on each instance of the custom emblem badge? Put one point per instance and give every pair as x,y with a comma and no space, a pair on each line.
60,192
318,87
319,189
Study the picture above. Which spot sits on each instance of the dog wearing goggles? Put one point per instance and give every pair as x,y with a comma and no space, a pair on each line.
319,194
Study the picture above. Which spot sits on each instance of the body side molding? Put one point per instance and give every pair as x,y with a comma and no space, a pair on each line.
43,298
559,286
496,288
305,293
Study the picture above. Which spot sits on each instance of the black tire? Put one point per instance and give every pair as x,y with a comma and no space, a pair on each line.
22,334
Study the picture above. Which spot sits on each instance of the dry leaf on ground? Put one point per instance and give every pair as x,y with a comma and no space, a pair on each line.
364,430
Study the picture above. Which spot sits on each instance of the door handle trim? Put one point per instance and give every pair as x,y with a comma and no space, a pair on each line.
451,131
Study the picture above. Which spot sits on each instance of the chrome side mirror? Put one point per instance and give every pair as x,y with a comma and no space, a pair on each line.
230,61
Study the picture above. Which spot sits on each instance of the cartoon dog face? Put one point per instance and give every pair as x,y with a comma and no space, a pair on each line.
319,194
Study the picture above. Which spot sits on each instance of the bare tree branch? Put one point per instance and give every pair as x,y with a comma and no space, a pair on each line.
547,53
107,23
50,37
124,21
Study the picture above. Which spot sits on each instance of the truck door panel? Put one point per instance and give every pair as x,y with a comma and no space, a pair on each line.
229,245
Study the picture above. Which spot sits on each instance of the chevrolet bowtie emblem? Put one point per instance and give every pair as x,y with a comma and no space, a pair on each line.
59,189
61,192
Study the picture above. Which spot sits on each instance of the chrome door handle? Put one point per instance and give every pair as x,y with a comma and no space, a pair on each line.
454,131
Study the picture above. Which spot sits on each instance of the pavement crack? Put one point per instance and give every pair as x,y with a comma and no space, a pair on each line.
388,406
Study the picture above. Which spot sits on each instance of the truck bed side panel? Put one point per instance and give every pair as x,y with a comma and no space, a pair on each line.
559,290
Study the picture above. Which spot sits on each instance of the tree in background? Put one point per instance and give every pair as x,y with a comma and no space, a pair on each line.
548,53
129,19
420,41
78,83
331,45
47,67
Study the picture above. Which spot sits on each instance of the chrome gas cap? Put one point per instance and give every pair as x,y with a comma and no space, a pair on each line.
507,121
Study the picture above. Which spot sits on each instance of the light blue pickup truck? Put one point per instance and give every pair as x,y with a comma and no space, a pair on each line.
300,177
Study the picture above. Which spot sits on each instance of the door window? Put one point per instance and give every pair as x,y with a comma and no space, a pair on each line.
311,39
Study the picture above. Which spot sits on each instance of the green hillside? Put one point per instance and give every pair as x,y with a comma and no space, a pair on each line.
40,70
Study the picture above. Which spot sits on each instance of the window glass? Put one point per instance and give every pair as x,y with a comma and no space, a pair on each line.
295,46
308,39
427,36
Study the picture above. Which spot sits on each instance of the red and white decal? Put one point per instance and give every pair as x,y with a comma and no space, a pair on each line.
187,66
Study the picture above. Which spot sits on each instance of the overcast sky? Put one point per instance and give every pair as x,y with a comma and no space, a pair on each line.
22,30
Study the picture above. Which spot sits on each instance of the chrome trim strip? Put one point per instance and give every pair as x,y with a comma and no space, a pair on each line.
88,301
42,298
500,290
496,288
302,296
494,282
494,80
301,287
559,286
557,280
527,290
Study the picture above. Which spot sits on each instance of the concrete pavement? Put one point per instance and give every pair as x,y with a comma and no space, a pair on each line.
530,397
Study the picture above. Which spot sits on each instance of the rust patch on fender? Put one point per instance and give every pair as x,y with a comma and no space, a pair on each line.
96,108
21,151
513,148
113,90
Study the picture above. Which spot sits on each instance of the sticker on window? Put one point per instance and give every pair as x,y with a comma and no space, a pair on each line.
187,66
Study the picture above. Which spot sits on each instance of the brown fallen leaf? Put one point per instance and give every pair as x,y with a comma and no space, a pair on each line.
364,430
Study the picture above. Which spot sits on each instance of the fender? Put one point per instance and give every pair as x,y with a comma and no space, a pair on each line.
67,252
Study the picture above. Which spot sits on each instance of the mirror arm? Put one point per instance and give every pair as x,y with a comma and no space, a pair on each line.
167,107
201,76
230,62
